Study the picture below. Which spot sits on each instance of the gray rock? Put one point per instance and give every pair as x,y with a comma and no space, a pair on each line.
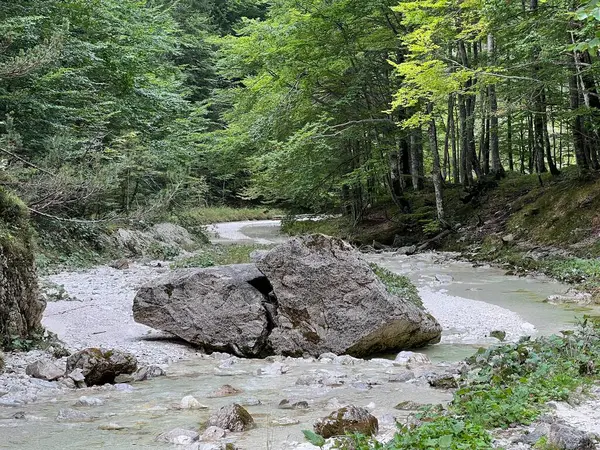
119,264
401,377
217,308
178,436
148,372
329,300
286,404
190,402
124,387
565,437
412,359
100,366
407,250
89,401
44,370
349,419
72,415
250,401
232,418
212,434
443,278
224,391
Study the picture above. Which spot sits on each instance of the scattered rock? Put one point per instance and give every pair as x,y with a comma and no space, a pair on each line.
101,366
401,377
408,405
119,264
178,436
443,278
77,377
349,419
123,378
44,370
190,402
571,296
508,238
406,250
250,401
276,368
225,391
148,372
285,421
213,433
442,381
498,334
286,404
72,415
232,418
112,426
53,292
565,437
89,401
412,358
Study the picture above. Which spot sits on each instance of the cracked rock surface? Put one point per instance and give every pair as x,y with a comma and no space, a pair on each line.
308,296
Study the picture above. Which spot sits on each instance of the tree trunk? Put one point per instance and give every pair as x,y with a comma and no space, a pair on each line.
416,156
577,126
511,164
435,173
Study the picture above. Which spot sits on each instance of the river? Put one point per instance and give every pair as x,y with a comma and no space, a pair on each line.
470,302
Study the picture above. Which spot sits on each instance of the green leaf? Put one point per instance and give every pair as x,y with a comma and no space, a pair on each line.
445,441
314,438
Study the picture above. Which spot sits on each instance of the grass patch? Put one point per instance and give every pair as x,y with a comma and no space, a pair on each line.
505,386
398,285
220,255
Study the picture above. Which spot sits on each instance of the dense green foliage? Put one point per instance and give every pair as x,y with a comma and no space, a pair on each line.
397,284
139,108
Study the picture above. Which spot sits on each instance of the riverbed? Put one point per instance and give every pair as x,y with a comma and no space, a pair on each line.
470,302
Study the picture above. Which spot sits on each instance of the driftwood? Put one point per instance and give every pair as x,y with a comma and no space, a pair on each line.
427,244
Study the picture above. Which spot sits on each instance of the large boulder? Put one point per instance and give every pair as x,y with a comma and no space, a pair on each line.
329,300
217,308
20,306
99,366
310,295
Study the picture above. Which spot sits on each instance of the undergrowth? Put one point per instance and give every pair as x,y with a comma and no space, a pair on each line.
504,386
398,285
219,255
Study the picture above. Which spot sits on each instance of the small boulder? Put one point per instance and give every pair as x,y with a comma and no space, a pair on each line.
212,434
190,402
224,391
119,264
412,358
565,437
349,419
148,372
101,366
178,436
442,381
72,415
444,278
232,418
44,370
89,401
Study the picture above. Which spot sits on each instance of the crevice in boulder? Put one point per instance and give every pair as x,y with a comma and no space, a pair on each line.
262,284
270,305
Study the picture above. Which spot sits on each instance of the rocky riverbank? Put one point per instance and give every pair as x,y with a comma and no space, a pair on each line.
95,310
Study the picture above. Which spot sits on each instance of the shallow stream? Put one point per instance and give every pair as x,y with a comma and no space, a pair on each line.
469,302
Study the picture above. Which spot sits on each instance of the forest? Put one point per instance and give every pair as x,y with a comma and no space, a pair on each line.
136,108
